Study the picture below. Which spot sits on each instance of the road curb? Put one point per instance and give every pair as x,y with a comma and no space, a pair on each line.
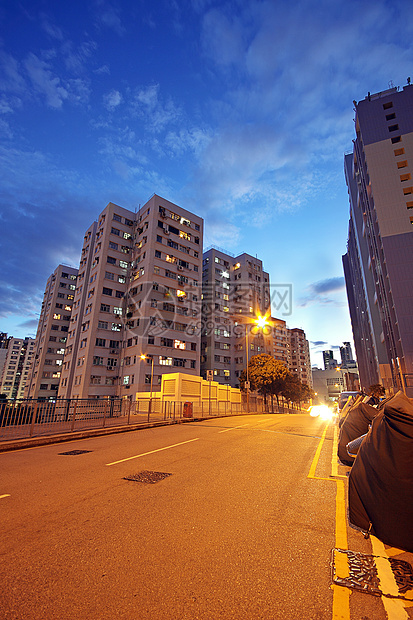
33,442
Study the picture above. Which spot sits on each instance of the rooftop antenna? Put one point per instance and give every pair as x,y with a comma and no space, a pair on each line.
408,81
391,84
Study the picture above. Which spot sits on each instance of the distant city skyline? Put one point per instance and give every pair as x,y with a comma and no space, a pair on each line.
239,113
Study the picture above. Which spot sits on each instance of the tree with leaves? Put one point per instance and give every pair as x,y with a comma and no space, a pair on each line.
266,375
377,390
295,391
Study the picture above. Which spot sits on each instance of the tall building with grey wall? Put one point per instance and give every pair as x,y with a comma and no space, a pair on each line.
138,294
378,264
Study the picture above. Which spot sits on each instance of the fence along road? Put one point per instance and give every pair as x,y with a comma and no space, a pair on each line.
30,418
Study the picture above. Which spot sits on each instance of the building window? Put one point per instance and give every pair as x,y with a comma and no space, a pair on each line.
390,117
109,275
100,342
177,361
388,105
165,361
405,177
396,139
107,291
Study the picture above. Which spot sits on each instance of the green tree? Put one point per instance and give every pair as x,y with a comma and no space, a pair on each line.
295,391
377,390
266,375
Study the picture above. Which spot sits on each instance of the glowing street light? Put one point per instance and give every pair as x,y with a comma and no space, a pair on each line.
261,322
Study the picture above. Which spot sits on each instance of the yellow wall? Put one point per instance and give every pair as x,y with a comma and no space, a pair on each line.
181,387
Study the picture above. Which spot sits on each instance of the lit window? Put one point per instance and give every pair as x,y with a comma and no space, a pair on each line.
405,177
179,344
57,316
165,361
402,164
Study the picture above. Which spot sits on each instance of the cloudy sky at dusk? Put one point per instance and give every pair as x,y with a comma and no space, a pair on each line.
239,111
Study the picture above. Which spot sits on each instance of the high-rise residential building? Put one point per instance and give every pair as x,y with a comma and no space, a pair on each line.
378,266
329,361
281,342
138,294
20,353
235,290
55,316
4,345
299,356
346,354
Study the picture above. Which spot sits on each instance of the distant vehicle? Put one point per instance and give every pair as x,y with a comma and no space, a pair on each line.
344,396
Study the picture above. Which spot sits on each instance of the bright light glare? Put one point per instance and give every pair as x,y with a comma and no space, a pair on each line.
323,411
261,321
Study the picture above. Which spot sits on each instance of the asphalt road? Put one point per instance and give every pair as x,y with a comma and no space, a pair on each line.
236,531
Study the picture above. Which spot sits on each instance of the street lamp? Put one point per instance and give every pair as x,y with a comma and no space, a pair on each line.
146,357
261,322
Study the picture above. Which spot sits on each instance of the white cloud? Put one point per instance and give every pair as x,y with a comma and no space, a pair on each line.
11,79
108,17
158,114
112,100
44,82
51,29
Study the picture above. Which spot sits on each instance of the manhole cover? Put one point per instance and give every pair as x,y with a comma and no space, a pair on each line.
73,452
363,574
148,477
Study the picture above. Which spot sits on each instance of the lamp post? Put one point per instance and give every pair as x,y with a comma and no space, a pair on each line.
146,357
260,322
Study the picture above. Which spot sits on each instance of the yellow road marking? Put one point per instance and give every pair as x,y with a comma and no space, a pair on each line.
317,454
395,608
232,429
341,595
6,495
137,456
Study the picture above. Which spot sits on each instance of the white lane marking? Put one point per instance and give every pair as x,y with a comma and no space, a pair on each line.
137,456
233,428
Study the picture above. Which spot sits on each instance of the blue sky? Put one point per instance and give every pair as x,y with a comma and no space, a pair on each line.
240,111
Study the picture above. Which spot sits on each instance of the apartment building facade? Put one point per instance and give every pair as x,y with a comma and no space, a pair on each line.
299,361
138,294
377,266
51,337
235,290
20,353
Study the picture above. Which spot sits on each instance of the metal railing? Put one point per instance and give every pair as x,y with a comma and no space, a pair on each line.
22,419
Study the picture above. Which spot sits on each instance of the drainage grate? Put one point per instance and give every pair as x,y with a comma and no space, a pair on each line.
363,574
147,477
73,452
